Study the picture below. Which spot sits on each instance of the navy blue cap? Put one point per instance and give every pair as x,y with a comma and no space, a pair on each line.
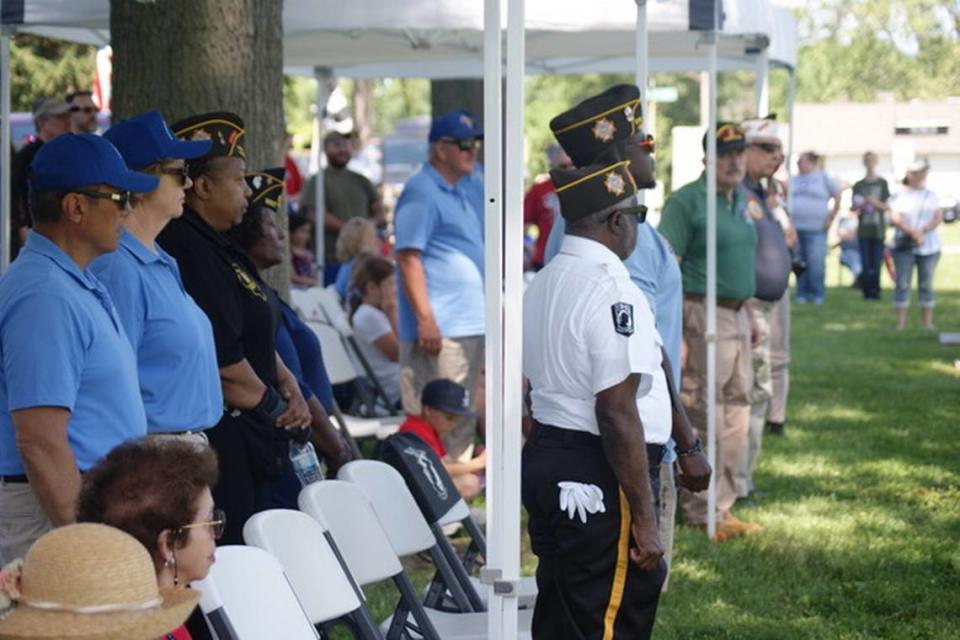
461,125
146,139
266,187
446,395
75,160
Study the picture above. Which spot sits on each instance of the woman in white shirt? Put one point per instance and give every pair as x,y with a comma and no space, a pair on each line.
916,214
372,301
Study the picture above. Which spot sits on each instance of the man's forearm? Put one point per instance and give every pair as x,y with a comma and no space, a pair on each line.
242,389
49,463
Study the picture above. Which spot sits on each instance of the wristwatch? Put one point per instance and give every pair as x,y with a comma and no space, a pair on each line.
692,450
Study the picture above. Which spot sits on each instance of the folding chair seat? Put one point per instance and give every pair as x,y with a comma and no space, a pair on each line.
246,596
370,557
303,547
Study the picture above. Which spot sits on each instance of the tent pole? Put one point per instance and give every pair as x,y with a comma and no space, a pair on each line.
508,467
323,76
791,99
493,296
6,203
711,333
642,70
763,84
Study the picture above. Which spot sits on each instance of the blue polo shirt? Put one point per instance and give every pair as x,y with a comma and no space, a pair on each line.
445,223
654,269
63,345
170,334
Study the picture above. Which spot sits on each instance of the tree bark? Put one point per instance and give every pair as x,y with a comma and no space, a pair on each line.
454,95
183,57
363,110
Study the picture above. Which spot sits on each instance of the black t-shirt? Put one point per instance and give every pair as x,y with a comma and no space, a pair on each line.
772,261
19,177
226,286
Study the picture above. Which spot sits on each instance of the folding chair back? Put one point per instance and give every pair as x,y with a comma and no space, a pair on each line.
398,512
298,542
307,302
357,531
254,596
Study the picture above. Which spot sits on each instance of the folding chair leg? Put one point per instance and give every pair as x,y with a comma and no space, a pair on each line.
341,421
410,603
220,623
453,571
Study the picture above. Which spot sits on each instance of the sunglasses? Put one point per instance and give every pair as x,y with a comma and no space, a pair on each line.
121,198
640,211
769,147
645,141
87,110
182,173
216,525
466,144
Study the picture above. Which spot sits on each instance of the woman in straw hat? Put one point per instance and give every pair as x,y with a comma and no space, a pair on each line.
158,490
88,582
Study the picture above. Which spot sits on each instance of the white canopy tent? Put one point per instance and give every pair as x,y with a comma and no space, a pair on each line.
445,39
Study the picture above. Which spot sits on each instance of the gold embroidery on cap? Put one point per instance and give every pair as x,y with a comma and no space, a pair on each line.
614,183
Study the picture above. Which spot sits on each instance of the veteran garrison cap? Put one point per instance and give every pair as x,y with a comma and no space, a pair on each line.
593,125
586,190
225,129
267,187
730,137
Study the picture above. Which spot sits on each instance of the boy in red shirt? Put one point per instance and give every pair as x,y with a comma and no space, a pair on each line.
444,403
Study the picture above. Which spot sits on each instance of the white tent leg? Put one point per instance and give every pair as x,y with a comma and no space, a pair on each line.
763,84
323,76
506,512
711,334
493,295
643,69
791,98
6,203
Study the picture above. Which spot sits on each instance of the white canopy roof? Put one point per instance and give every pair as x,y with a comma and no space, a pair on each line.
443,38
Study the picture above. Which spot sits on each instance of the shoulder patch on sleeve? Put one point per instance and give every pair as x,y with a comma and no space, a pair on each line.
623,318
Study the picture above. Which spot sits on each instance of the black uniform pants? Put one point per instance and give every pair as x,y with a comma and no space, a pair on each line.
242,489
588,588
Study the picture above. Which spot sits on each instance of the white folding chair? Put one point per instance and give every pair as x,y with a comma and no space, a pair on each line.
410,534
370,557
340,369
246,596
317,575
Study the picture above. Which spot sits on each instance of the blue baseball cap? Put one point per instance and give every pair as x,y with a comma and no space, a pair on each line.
446,395
461,125
146,139
82,159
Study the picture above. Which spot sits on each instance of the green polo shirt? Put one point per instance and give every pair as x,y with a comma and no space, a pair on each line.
684,224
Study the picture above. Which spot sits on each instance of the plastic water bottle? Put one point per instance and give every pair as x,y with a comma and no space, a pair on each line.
305,463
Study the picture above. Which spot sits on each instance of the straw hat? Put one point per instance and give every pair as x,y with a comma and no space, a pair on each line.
93,582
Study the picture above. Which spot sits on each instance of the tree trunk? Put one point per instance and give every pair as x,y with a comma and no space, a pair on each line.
454,95
363,109
183,57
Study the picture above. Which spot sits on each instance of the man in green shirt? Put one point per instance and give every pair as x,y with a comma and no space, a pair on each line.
870,196
347,194
684,224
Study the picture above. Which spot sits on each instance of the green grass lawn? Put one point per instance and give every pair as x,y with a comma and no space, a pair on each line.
861,521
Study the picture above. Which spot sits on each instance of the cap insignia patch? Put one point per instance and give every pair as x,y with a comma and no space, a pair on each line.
466,121
604,130
614,183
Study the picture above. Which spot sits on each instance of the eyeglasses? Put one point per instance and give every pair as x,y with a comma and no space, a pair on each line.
466,144
640,211
645,141
769,147
216,525
182,172
86,110
121,198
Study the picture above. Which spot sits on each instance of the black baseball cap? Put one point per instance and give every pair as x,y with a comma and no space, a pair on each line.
446,395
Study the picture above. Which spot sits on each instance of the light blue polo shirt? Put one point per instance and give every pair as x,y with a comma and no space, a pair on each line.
654,269
445,223
62,345
170,334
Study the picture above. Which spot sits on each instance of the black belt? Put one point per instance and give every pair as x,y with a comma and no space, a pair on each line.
585,439
14,479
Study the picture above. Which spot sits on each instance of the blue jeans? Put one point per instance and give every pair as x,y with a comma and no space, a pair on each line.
813,250
871,255
926,265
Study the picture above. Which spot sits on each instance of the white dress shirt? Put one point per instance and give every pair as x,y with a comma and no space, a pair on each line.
579,339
